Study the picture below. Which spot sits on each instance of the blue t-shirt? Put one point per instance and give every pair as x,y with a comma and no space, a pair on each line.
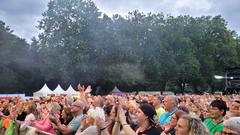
75,123
166,117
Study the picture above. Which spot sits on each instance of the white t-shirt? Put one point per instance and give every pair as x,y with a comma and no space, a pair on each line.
30,118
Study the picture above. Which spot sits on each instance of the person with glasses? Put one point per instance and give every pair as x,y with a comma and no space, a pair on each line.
217,111
231,126
77,112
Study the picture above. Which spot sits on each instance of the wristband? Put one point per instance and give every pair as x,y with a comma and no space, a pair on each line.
125,124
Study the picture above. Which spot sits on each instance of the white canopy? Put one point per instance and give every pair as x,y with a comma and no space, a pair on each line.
71,91
59,90
44,91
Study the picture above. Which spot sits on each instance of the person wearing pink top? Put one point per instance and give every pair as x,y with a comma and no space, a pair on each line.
45,124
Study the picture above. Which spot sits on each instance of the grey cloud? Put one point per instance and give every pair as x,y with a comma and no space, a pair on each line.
231,13
125,6
23,7
22,15
228,9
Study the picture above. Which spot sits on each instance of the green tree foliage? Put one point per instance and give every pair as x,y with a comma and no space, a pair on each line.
16,67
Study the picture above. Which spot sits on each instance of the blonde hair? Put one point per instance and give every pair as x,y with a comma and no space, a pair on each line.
195,125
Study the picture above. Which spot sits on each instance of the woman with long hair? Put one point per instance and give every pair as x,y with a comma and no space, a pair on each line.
191,125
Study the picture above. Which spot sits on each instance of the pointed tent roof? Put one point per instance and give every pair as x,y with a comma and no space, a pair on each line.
58,90
44,91
116,91
70,90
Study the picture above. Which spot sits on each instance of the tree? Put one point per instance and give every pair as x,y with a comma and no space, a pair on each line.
16,66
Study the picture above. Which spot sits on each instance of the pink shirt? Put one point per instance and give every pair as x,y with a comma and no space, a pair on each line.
45,125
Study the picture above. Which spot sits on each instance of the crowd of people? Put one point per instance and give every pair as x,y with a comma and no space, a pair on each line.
128,114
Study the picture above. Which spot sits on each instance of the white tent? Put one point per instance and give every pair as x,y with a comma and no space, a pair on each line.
44,91
58,91
71,91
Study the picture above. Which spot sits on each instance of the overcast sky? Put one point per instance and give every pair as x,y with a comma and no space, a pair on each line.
22,15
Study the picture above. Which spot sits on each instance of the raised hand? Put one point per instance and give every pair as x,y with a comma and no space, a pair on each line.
88,89
123,102
121,115
80,88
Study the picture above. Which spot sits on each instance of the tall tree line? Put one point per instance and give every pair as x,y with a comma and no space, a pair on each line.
135,52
